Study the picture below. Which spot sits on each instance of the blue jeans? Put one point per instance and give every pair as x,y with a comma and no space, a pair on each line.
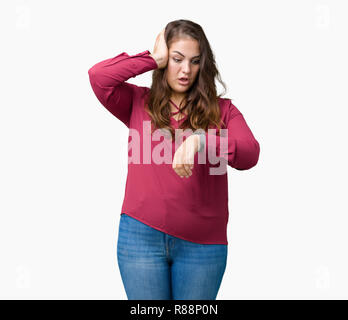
158,266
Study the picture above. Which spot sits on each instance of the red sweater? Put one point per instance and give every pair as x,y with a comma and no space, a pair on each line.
194,208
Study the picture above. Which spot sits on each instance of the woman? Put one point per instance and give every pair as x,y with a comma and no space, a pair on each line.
172,241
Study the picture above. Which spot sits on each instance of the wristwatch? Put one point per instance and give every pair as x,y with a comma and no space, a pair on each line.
201,140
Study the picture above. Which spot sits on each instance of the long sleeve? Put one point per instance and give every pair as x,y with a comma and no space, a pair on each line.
239,147
108,80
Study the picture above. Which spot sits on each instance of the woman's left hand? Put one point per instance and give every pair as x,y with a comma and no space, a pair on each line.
184,156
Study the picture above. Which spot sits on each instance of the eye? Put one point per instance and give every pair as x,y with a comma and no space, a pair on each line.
195,62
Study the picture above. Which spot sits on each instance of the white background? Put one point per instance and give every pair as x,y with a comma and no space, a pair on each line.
64,156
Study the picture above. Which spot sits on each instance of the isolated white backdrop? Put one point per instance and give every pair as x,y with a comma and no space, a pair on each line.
64,156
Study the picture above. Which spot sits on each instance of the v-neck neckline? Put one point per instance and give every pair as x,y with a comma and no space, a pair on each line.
176,112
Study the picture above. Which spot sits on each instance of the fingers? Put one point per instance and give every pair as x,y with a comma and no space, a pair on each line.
188,170
183,161
183,170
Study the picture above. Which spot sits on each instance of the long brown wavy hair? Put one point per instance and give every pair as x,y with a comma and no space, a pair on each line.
201,100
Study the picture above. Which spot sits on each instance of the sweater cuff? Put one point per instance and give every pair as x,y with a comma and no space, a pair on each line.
147,53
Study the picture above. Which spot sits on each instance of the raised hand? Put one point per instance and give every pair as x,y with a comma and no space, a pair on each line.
160,51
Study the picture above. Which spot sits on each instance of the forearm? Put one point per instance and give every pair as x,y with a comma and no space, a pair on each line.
112,72
238,146
108,81
160,61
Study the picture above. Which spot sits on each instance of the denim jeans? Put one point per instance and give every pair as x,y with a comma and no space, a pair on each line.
158,266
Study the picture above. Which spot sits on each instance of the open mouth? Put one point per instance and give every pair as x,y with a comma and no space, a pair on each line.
184,81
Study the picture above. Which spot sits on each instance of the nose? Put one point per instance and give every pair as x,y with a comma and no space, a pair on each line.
186,68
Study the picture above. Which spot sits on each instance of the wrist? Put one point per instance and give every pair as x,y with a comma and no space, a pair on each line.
158,60
199,141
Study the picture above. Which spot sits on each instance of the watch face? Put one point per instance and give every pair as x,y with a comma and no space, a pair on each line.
202,140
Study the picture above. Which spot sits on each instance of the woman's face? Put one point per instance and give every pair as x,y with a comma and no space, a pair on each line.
183,61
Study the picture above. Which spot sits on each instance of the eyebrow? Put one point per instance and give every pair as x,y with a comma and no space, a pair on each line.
184,56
